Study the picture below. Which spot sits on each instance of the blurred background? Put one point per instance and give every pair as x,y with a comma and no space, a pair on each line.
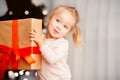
99,57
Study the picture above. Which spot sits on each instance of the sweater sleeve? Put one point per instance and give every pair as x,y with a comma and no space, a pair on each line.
52,55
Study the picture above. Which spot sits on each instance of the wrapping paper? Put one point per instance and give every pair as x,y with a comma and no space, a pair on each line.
16,49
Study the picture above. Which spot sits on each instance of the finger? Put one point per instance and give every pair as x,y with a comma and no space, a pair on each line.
32,33
32,39
34,30
32,36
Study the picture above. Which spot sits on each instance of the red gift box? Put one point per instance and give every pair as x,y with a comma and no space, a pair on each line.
16,49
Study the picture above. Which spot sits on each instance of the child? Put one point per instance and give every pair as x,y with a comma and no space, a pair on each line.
54,47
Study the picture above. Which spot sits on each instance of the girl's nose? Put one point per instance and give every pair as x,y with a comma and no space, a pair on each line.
59,26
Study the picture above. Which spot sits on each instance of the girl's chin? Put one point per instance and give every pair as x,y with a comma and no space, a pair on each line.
53,36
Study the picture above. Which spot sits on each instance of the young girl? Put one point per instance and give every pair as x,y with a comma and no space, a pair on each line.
54,46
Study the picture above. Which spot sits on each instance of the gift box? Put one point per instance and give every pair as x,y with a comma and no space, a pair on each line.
16,49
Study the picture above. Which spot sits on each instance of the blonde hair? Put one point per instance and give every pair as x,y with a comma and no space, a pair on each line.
76,30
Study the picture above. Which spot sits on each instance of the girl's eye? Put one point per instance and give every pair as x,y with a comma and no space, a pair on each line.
65,26
57,20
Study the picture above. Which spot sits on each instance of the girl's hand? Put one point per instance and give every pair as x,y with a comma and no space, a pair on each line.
37,37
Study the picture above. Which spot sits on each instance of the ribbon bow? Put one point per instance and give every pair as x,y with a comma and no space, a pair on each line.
8,53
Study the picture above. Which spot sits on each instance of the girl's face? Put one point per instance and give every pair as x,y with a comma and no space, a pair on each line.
60,24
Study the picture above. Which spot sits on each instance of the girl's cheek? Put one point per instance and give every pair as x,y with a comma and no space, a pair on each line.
53,22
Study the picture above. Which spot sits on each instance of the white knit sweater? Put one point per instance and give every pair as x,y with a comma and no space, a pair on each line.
54,62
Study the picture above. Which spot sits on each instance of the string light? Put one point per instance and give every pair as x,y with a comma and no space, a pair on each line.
10,13
35,73
25,79
26,12
16,74
21,72
27,73
44,12
44,31
11,74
